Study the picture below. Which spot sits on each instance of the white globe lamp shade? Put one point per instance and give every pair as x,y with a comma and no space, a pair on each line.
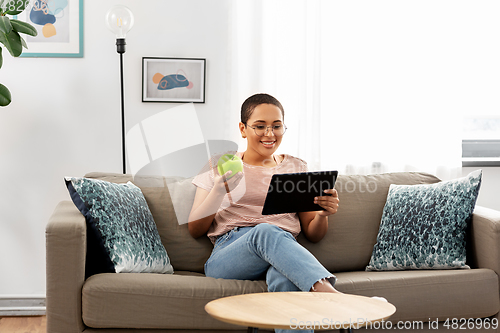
119,20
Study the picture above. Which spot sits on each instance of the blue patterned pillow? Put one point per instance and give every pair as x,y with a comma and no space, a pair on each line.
121,233
424,226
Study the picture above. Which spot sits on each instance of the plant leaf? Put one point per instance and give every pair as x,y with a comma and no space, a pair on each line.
23,27
1,58
5,97
23,42
5,25
15,7
2,6
12,42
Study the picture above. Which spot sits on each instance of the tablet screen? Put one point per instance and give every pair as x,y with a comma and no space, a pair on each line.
295,192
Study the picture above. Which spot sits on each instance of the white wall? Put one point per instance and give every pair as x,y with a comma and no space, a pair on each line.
65,116
489,193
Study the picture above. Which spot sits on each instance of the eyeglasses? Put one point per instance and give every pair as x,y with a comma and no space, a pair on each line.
261,130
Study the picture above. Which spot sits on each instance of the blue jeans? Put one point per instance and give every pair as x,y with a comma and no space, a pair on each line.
252,253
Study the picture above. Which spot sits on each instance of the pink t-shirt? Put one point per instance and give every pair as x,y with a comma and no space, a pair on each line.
243,206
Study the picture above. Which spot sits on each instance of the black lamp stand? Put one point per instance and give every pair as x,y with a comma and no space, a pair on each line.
120,48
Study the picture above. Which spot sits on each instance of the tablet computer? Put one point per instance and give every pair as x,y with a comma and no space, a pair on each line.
295,192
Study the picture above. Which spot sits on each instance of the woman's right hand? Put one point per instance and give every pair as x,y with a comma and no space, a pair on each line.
207,203
224,185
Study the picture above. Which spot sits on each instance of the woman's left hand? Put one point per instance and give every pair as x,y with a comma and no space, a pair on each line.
330,203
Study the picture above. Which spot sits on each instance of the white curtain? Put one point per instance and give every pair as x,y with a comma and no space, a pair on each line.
367,86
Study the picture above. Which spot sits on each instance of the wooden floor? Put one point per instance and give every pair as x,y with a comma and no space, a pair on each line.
23,324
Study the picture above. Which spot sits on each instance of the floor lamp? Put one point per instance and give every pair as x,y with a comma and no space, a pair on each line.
120,20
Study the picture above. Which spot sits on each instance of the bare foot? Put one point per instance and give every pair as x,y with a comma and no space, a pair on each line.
324,286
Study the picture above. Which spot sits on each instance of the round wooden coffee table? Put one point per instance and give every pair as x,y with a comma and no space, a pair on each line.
300,310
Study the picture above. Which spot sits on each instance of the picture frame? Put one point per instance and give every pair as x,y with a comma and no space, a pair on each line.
60,30
173,80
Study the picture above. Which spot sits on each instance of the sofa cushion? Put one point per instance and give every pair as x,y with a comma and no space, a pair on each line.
174,301
177,301
423,226
348,245
185,252
423,295
352,231
120,225
182,195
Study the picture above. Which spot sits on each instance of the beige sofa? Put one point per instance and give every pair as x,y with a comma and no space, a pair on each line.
156,303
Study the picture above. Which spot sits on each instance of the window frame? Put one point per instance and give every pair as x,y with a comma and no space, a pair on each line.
480,153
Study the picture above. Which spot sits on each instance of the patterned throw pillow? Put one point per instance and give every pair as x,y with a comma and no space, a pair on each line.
121,233
424,226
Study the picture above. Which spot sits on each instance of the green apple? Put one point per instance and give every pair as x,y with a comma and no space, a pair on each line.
229,162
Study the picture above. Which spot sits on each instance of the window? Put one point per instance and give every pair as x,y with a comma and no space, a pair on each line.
481,142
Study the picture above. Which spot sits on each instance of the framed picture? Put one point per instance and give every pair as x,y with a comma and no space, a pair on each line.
60,28
173,80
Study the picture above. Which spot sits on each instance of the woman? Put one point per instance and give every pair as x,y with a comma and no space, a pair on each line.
248,245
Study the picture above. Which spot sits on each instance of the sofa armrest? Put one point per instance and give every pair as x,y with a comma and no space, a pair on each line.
65,236
485,238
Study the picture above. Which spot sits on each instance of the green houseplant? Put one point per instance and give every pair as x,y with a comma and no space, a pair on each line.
10,37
